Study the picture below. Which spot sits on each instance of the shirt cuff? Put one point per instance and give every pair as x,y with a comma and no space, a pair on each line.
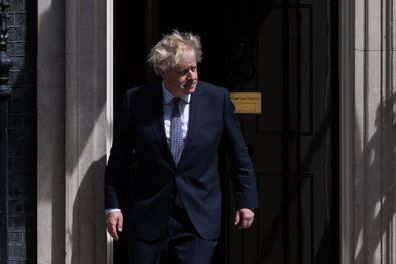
112,210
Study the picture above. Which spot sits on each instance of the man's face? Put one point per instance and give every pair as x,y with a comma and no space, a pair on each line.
182,79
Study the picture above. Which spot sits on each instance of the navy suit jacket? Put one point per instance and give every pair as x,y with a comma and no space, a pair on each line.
140,136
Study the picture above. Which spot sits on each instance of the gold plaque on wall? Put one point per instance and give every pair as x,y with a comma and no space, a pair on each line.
246,102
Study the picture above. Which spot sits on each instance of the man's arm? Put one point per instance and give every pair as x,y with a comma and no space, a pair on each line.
117,170
243,175
120,158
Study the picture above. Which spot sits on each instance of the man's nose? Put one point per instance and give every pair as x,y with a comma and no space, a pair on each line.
190,73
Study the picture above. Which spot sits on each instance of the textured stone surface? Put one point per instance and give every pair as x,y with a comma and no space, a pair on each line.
374,135
72,131
22,133
86,124
51,132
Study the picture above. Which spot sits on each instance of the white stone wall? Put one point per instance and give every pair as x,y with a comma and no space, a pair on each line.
72,130
51,103
73,125
368,131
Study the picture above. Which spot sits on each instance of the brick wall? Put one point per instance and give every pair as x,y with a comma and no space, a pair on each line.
22,120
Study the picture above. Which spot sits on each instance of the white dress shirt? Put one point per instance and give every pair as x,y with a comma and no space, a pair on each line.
184,108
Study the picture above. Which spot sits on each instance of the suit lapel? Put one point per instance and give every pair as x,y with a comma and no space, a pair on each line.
195,106
158,123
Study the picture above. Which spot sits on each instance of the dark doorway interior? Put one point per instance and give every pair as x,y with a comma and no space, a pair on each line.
288,51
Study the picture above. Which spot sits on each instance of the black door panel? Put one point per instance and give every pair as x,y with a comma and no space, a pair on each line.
286,50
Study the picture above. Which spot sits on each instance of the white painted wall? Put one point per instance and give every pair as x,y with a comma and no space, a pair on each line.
74,119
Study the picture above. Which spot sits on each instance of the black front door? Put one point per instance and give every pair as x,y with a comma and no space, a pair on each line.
286,50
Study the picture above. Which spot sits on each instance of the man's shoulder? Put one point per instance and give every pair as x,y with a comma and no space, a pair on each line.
212,88
144,90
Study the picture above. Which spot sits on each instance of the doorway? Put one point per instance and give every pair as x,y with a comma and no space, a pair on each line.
287,50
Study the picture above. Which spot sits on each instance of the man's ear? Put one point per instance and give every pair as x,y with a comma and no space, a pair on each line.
162,74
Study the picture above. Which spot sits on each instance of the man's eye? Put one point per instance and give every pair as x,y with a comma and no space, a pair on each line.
185,71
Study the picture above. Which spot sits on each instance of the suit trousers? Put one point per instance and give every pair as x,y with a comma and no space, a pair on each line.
180,245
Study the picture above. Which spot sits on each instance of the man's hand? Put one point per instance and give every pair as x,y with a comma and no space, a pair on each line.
244,218
114,223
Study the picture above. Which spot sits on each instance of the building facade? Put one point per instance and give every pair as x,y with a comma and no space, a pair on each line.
74,59
18,166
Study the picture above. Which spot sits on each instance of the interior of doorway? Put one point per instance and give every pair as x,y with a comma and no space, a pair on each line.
135,33
138,25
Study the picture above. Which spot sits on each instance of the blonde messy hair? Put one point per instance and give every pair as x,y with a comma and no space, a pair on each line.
170,51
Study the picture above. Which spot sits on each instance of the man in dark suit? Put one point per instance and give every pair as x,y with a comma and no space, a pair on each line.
173,131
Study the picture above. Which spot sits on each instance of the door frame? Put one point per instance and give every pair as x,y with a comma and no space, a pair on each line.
346,101
346,74
109,103
58,28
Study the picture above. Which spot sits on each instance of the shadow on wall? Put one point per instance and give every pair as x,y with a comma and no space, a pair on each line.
374,187
87,241
84,239
51,131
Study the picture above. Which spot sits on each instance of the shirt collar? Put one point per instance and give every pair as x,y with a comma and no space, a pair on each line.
168,96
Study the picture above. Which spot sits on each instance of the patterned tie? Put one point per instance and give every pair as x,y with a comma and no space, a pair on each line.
176,136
